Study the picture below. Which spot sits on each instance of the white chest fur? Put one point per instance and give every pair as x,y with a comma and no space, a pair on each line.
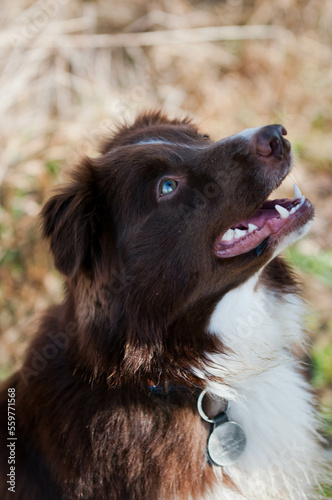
268,395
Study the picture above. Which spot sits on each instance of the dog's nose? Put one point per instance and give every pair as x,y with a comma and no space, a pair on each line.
269,142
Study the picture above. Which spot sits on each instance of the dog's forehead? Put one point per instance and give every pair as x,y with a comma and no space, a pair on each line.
163,133
154,141
160,147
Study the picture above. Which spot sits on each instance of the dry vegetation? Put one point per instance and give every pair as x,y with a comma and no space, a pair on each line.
70,70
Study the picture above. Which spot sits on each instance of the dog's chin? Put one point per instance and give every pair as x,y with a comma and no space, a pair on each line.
274,226
291,238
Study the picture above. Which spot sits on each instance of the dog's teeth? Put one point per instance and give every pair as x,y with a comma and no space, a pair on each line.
239,233
228,236
251,227
282,211
297,192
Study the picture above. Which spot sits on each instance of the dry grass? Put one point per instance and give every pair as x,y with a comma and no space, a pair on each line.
70,70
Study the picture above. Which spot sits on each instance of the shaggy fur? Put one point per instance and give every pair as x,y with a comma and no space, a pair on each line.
148,301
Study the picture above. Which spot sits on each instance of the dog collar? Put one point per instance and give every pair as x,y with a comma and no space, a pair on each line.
164,390
227,440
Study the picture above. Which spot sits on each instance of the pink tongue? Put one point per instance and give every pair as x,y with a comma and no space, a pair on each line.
267,211
260,217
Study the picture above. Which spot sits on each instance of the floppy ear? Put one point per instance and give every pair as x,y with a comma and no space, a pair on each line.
69,221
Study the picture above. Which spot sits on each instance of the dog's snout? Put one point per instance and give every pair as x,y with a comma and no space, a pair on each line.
269,142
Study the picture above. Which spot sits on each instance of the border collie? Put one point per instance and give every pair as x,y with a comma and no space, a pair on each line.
168,372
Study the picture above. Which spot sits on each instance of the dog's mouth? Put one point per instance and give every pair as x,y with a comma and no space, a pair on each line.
271,222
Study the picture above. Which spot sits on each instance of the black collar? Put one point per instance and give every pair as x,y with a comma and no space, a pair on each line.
167,388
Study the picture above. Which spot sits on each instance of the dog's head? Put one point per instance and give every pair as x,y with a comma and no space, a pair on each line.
166,220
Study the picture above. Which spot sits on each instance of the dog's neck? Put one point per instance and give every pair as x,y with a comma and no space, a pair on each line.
268,396
257,328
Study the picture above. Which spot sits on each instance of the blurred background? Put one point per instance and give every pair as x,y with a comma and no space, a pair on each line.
71,70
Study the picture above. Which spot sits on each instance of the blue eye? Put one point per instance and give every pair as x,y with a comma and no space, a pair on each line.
167,186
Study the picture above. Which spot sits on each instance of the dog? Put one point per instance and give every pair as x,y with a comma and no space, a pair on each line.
168,372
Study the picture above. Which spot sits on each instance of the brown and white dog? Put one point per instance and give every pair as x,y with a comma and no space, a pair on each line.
173,285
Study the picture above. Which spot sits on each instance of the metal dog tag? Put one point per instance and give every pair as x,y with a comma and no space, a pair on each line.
226,443
227,440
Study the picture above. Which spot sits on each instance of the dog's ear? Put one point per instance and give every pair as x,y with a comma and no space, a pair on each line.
69,221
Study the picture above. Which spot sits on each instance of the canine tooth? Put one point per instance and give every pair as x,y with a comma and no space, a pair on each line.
282,211
228,236
239,233
293,209
251,227
297,192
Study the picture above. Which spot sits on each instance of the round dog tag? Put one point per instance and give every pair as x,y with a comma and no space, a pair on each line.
226,443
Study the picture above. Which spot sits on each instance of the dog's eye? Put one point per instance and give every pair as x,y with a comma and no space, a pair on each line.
167,186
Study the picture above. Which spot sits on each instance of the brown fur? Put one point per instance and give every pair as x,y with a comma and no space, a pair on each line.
141,284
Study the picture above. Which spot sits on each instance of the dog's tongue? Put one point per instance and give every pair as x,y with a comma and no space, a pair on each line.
263,214
269,219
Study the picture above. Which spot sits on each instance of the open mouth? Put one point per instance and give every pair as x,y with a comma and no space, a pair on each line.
272,221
